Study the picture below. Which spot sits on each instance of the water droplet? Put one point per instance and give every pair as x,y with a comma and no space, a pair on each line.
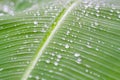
26,36
56,63
30,76
76,54
43,30
57,60
37,77
60,69
1,69
53,54
88,66
50,71
43,79
35,22
97,15
96,49
1,14
47,61
34,30
59,56
96,23
79,60
67,33
46,26
88,45
118,16
67,46
86,70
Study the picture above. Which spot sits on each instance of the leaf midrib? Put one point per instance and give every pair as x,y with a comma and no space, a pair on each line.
49,35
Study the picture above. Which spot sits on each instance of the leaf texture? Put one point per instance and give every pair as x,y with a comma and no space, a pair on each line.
60,40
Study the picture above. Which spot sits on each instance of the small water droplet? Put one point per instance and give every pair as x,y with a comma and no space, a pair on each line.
96,49
47,61
88,45
50,71
26,36
67,33
30,76
43,30
88,66
76,54
67,46
37,77
53,54
56,63
86,70
1,69
59,56
79,60
35,22
118,16
60,69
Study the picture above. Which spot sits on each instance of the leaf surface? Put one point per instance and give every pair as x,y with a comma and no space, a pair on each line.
60,40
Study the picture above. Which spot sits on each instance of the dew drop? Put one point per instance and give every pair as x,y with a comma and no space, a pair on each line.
60,69
59,56
56,63
58,60
96,49
47,61
89,46
88,66
53,54
26,36
50,71
1,69
79,60
67,33
96,23
86,70
35,22
118,16
37,77
43,30
67,46
76,54
30,76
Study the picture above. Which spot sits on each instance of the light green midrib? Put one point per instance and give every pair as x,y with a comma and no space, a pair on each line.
47,35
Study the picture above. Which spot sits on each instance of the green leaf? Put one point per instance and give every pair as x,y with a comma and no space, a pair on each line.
59,40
